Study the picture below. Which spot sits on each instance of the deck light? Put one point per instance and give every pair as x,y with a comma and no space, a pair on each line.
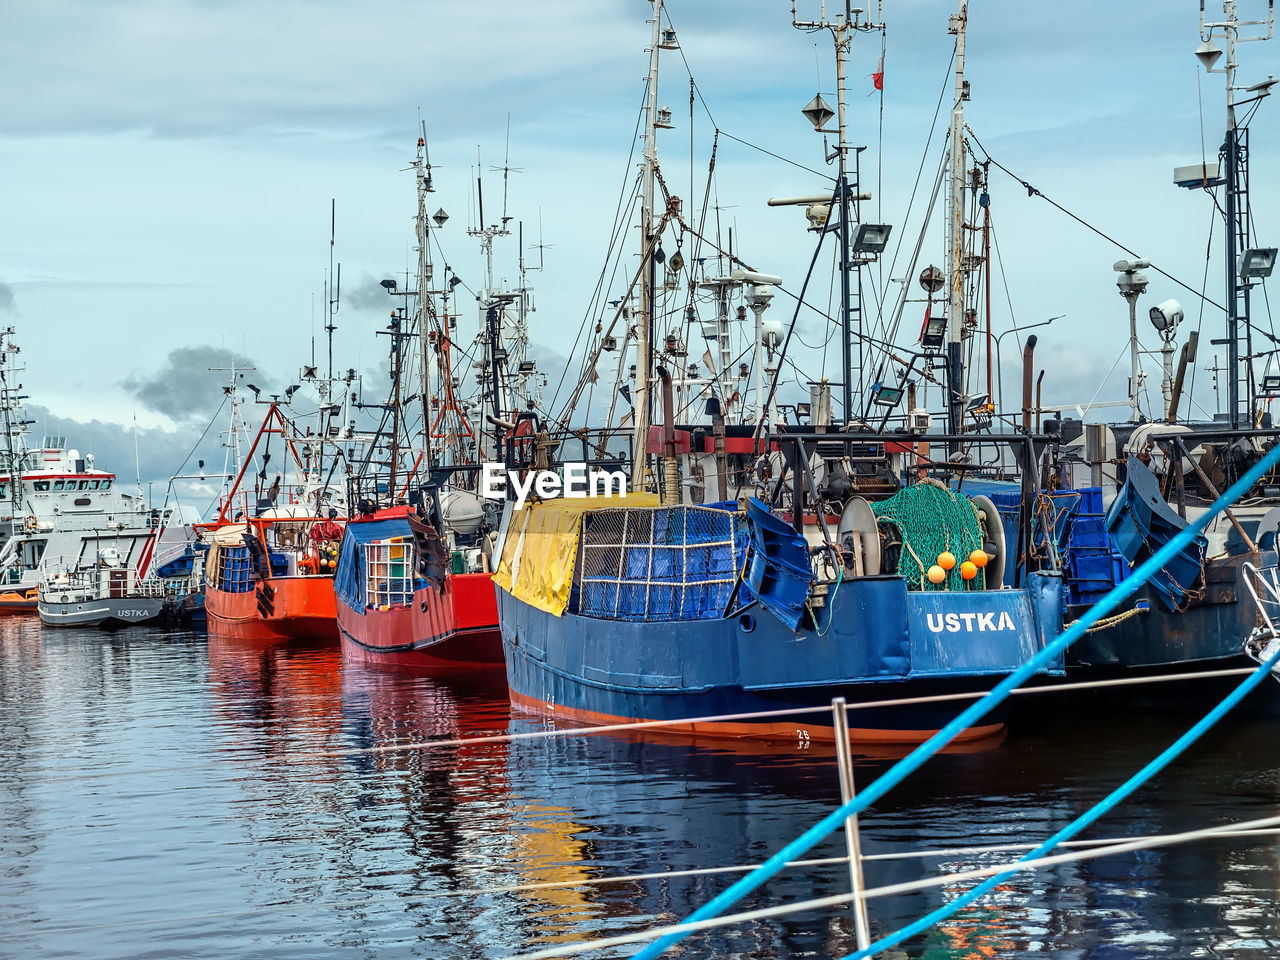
1257,262
885,396
935,331
871,237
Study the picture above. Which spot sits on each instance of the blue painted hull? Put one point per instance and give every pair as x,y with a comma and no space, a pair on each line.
878,642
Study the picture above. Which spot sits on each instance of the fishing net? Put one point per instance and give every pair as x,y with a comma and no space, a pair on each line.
933,520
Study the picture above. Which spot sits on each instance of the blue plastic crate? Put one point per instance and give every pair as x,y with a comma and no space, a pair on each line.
1089,533
1090,500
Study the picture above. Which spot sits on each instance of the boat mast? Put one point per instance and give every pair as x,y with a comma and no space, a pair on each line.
422,166
1234,159
10,401
843,29
955,235
644,328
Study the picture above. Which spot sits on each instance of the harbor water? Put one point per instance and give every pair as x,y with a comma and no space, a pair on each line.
163,794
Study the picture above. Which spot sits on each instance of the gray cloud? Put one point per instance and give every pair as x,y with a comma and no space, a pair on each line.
160,452
369,294
185,388
7,303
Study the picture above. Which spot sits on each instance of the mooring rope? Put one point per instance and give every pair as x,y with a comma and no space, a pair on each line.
1104,806
911,886
641,725
1227,831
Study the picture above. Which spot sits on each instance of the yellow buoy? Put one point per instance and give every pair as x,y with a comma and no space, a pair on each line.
936,574
968,570
979,558
946,560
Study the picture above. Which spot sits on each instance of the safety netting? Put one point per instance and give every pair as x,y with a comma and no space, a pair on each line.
668,563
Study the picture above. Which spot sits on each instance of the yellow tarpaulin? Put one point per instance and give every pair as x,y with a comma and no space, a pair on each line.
541,548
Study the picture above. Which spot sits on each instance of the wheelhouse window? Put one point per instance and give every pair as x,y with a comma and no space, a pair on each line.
57,485
84,484
106,485
93,484
40,486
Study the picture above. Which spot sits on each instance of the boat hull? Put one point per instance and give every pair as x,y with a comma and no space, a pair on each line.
879,643
111,613
449,628
278,608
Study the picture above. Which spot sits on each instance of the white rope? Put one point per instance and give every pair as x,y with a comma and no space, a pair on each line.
534,886
587,729
428,897
765,913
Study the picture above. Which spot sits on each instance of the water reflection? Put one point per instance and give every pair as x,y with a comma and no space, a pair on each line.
163,797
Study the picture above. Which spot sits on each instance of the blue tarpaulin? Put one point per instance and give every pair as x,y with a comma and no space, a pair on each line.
349,580
780,573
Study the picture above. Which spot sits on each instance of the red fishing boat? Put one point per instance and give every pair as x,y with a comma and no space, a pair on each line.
408,596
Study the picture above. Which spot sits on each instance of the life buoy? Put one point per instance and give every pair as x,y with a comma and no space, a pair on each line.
32,522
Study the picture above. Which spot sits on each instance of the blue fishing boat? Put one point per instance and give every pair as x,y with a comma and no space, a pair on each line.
627,610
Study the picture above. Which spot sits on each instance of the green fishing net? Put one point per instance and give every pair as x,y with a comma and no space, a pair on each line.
933,519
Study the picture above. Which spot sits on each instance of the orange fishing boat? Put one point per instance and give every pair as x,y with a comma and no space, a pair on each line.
269,570
268,579
18,601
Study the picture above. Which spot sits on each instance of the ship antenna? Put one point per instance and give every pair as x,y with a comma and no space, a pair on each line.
336,280
479,189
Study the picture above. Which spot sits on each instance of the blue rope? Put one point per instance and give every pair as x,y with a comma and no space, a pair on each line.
1082,821
970,715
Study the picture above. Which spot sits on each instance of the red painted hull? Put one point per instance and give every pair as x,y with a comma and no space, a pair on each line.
300,608
451,629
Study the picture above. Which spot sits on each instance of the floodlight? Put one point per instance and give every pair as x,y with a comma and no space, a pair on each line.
871,238
1257,262
1166,316
1271,383
885,396
390,285
935,331
802,409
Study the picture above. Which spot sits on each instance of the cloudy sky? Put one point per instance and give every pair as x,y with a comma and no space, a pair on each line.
169,166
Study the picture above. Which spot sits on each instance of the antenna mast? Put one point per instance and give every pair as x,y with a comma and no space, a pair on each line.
335,288
955,234
422,166
1234,159
842,31
640,441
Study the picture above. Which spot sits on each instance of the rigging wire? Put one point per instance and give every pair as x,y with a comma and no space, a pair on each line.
1034,192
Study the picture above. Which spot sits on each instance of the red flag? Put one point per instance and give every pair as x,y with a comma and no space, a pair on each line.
925,326
877,78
